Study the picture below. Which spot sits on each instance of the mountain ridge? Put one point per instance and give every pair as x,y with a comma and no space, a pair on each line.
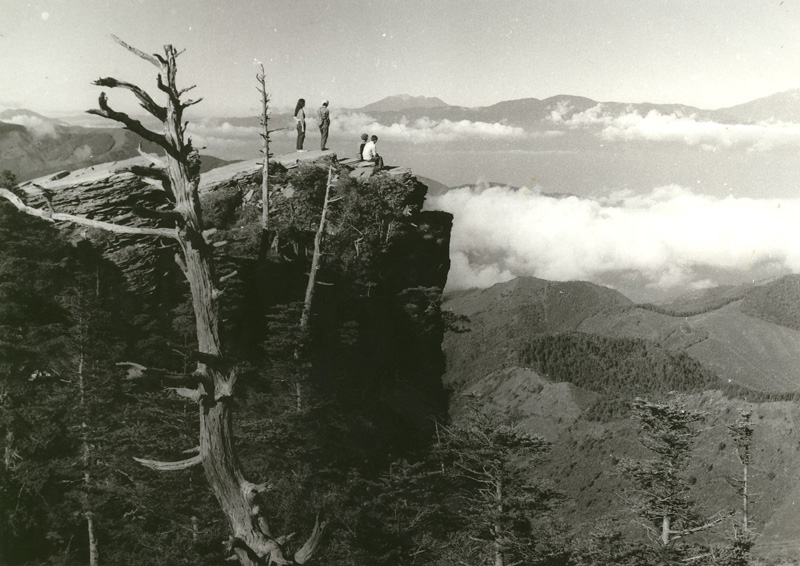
570,376
743,334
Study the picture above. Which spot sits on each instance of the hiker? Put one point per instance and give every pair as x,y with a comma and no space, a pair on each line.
370,153
300,118
364,138
324,122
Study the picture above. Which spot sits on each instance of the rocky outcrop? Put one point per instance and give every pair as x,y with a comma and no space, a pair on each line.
110,192
106,192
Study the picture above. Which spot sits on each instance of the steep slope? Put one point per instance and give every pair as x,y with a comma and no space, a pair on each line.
777,301
28,153
503,316
739,348
592,335
32,145
746,336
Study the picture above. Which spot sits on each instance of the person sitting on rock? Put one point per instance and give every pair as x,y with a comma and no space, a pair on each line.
370,153
364,138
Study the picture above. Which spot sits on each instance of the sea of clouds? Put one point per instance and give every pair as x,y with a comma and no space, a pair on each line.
677,127
668,236
226,140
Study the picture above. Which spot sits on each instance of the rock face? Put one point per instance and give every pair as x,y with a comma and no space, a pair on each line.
376,316
110,192
106,192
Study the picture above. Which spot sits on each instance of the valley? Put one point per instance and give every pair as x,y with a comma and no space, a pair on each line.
716,350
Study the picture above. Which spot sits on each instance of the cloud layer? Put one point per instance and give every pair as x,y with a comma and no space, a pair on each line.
36,126
667,237
424,130
229,141
655,126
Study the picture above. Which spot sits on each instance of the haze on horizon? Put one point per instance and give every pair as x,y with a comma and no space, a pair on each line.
709,54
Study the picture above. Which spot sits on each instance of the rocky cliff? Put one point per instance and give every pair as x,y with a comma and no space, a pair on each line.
376,323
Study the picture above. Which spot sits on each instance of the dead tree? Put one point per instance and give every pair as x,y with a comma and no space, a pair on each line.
742,435
315,259
86,459
215,376
262,78
308,303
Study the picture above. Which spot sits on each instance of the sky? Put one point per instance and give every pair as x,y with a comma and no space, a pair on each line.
705,53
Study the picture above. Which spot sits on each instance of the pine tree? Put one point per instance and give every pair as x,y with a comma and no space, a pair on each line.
486,460
662,497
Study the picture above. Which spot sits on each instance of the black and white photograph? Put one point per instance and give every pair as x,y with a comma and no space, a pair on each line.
400,282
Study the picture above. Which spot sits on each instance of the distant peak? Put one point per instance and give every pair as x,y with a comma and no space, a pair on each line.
399,102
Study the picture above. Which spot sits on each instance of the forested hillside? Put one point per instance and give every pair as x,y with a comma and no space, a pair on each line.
574,377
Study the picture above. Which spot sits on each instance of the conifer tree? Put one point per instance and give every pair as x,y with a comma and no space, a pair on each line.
661,493
743,538
486,460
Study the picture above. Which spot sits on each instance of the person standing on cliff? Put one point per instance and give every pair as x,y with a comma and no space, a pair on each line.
324,122
300,119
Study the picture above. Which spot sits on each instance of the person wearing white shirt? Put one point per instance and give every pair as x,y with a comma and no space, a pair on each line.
370,153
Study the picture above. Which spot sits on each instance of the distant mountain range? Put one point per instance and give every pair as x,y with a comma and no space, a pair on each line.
533,113
784,106
33,145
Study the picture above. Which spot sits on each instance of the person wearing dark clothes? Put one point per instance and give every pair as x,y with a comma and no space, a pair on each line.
364,138
300,118
324,122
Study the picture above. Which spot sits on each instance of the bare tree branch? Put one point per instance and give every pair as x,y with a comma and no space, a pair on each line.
227,276
315,260
144,99
190,102
185,90
170,466
151,158
133,125
307,551
153,176
706,526
107,226
156,60
191,394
